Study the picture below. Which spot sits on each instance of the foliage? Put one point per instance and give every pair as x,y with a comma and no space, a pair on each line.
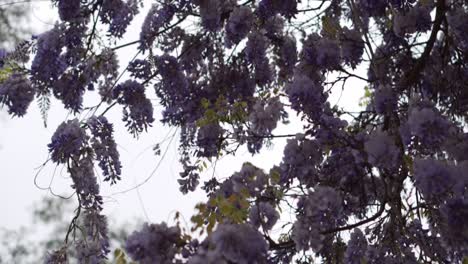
387,183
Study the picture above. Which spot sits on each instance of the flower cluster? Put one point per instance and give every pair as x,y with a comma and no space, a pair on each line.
357,247
306,95
417,19
382,151
85,183
138,110
269,8
384,99
48,64
118,14
175,92
264,119
372,7
238,25
94,246
263,215
70,88
255,51
209,140
16,93
300,160
69,9
320,210
457,20
286,57
352,47
429,127
105,148
321,52
154,243
239,244
210,12
156,18
67,141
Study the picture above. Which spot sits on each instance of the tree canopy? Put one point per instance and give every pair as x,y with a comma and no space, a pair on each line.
385,183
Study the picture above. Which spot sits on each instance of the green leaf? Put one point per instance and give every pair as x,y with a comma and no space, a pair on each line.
465,260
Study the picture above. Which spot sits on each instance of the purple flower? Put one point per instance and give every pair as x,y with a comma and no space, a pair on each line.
429,126
138,110
381,150
70,88
57,257
94,246
286,57
434,178
454,225
105,148
67,141
255,51
17,94
301,158
385,100
269,8
457,20
321,53
416,19
238,25
357,247
154,243
372,7
209,140
140,69
264,118
85,183
319,210
306,94
352,47
155,19
239,243
118,14
69,9
210,12
249,178
48,65
263,215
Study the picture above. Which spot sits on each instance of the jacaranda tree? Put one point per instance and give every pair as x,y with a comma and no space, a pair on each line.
385,184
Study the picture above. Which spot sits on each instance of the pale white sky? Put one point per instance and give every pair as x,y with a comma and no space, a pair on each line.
24,142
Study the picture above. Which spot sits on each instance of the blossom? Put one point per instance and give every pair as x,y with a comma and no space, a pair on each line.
306,94
381,150
319,210
67,141
118,14
357,247
417,19
69,9
48,65
154,243
138,110
210,12
434,178
238,25
17,93
154,21
105,148
264,118
239,243
352,47
263,215
94,246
